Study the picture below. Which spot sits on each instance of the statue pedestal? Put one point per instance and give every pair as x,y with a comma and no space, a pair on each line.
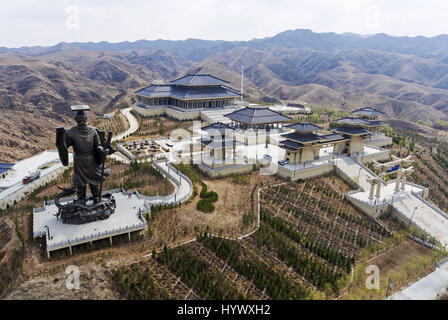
127,218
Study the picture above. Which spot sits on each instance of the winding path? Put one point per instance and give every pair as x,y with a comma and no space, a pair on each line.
133,125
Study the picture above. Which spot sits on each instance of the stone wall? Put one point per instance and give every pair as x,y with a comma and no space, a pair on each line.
313,172
172,113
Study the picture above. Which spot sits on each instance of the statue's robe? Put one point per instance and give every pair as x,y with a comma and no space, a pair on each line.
86,170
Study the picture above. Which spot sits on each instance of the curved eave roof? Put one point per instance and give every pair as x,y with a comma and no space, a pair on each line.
290,145
218,127
219,144
332,138
188,93
352,121
304,127
352,131
199,80
368,112
254,116
302,138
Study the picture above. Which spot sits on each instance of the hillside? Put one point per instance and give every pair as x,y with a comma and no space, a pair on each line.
36,92
404,77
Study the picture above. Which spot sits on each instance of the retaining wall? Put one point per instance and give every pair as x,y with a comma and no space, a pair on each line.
309,173
175,114
225,171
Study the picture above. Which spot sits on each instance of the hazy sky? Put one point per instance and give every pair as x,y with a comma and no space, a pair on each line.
48,22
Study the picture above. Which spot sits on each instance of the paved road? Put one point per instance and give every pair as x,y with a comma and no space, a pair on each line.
8,192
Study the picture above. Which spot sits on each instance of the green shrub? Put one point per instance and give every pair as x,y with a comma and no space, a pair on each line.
205,205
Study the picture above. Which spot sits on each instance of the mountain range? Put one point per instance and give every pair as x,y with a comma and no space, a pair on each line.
406,77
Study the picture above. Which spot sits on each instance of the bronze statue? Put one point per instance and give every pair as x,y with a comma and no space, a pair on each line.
90,152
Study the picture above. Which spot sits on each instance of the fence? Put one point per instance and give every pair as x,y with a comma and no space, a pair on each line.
176,178
418,196
97,236
409,221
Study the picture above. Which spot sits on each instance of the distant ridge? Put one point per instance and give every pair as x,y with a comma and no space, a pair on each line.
436,46
405,77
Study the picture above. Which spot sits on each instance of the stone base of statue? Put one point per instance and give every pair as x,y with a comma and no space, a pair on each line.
80,212
128,217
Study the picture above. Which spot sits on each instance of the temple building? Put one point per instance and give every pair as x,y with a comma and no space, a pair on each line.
218,157
356,130
199,91
304,143
219,144
368,113
256,123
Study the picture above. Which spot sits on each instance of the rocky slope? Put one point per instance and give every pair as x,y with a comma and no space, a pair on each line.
405,77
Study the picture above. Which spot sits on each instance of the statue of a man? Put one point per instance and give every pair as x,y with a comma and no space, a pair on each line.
89,155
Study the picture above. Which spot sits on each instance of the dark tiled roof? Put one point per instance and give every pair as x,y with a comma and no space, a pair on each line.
352,130
219,143
375,123
4,167
186,93
332,137
368,111
353,121
199,80
304,127
291,144
287,148
220,127
303,138
251,115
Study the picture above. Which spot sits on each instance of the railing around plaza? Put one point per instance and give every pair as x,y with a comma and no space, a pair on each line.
439,211
305,166
171,173
409,221
95,236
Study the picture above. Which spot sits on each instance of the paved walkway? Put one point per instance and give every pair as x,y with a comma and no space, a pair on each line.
183,185
354,171
426,288
425,216
133,125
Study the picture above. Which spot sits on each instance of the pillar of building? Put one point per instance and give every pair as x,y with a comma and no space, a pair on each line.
403,182
397,184
129,236
378,188
110,239
234,150
372,188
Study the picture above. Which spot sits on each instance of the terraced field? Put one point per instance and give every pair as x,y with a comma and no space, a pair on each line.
308,240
